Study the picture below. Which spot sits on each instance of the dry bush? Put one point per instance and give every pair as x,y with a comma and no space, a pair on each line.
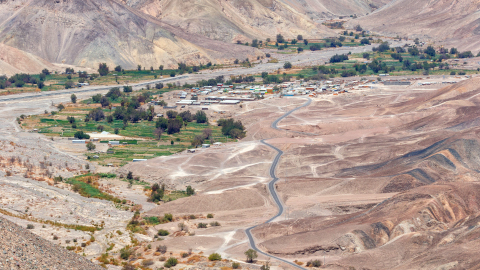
148,262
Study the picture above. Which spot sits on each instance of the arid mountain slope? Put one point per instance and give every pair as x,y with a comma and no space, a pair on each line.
231,20
455,23
319,9
408,229
14,61
24,250
84,33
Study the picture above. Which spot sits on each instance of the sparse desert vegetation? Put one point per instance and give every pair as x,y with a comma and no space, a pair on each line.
272,142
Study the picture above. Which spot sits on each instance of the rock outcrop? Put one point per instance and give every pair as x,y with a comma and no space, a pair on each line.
85,33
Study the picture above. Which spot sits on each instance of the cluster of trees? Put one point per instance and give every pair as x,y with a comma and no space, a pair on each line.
19,80
81,135
176,121
103,69
200,139
157,192
333,43
365,41
428,53
232,128
267,79
211,82
338,58
382,47
240,79
130,111
221,79
315,47
325,70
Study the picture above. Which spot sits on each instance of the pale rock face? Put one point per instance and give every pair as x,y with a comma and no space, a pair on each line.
453,23
14,61
232,20
85,33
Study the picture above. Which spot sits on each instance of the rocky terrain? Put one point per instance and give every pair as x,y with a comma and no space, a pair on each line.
14,61
85,33
24,250
453,23
232,20
390,171
151,33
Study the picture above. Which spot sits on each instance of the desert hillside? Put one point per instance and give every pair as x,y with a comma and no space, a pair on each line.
84,33
232,20
16,61
454,23
24,250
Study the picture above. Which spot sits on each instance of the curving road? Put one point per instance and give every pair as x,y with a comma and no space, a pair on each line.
273,192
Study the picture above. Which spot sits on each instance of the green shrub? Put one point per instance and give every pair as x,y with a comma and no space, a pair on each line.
210,216
214,257
126,252
168,217
152,220
235,265
202,225
171,262
162,232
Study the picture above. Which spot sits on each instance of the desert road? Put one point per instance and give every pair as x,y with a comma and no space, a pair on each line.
271,187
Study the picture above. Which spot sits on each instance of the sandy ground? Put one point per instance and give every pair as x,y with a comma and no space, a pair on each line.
319,179
360,152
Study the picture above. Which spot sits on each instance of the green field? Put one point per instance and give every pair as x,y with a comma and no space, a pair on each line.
141,144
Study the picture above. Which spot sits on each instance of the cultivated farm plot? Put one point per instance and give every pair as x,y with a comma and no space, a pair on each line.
144,145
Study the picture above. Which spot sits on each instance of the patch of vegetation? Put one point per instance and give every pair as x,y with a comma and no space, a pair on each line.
175,195
214,257
386,60
53,223
87,186
162,232
126,252
232,128
87,119
171,262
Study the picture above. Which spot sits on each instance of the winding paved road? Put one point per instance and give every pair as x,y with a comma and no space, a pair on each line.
273,192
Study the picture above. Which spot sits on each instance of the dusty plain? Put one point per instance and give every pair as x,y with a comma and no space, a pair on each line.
377,171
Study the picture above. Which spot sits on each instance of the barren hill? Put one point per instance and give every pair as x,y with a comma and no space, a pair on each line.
84,33
409,229
232,20
16,61
455,23
24,250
